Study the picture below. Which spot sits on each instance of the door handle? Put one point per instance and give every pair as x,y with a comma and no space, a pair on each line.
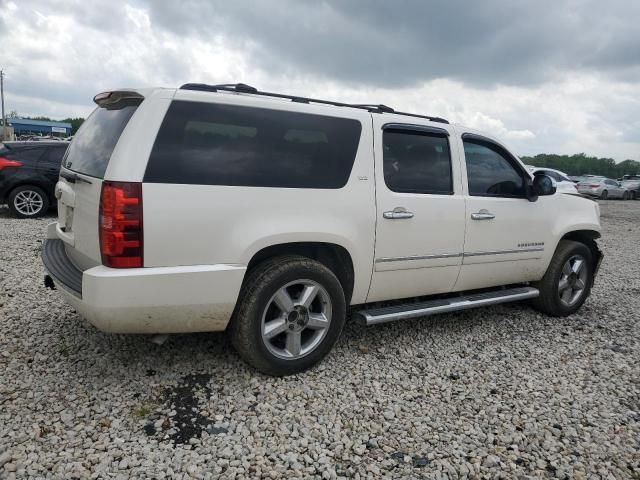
482,215
397,214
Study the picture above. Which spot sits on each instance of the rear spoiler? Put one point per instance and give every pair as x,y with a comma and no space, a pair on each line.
117,99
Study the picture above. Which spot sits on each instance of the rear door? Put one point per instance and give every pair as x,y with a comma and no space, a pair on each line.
26,173
49,164
614,189
420,209
81,176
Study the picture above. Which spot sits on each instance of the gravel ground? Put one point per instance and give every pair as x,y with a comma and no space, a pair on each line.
502,392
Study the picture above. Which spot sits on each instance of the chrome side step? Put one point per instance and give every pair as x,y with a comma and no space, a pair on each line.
373,316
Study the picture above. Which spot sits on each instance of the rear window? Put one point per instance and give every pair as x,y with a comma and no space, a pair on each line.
213,144
92,146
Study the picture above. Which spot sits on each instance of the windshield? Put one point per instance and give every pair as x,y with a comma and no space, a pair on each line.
92,146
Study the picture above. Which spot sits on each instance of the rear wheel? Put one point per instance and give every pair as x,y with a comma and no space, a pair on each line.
290,313
568,280
28,201
604,195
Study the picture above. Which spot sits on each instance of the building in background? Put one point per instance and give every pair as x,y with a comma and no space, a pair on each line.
25,126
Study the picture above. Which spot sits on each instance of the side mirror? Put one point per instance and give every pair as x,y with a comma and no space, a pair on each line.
544,185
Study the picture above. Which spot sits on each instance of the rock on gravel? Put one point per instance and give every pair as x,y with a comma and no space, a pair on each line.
503,392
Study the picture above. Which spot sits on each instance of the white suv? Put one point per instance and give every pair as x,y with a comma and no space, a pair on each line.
207,208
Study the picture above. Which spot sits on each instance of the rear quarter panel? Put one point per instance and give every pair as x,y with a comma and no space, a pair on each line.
208,224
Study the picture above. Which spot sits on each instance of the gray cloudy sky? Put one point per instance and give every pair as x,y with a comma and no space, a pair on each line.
559,76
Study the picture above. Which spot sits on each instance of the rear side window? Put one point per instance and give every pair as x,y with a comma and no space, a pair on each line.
417,162
25,154
213,144
92,146
490,173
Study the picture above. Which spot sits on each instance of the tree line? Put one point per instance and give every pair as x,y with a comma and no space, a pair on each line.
581,164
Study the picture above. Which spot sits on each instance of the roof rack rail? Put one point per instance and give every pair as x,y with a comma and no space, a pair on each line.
244,88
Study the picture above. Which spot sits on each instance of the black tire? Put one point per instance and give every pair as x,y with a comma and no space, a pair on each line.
625,196
549,301
260,286
633,194
604,195
19,210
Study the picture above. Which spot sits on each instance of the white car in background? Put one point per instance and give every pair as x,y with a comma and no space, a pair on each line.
563,183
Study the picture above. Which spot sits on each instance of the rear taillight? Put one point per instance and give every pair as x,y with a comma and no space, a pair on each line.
5,162
121,243
595,185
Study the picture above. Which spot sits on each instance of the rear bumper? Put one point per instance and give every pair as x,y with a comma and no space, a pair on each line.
590,193
147,300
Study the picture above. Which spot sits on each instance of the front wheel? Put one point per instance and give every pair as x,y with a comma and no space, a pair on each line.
289,315
625,196
568,280
604,195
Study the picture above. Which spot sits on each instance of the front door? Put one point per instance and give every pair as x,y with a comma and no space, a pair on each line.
420,209
507,236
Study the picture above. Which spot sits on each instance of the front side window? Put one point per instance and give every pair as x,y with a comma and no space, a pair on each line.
490,173
417,162
216,144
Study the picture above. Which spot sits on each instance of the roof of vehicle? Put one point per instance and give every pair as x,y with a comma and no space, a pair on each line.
247,89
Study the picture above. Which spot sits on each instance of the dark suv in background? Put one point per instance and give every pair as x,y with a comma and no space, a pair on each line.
28,175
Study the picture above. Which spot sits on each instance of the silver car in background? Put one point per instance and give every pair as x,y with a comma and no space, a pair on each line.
632,183
603,188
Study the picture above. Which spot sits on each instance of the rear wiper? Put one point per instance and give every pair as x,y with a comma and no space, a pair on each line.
73,177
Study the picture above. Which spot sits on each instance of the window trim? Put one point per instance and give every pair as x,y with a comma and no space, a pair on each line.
426,131
415,128
501,150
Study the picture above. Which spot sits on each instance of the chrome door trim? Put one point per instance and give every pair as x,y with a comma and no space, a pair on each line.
454,255
504,252
418,257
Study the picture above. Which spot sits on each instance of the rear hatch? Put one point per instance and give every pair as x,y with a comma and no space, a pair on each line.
81,175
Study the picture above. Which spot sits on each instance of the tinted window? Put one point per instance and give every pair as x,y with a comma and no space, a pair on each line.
490,173
415,162
93,145
212,144
54,155
25,154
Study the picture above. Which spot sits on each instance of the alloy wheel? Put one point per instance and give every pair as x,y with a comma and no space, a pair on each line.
296,319
28,202
573,280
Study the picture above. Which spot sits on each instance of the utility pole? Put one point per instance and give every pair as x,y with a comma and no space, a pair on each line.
4,119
